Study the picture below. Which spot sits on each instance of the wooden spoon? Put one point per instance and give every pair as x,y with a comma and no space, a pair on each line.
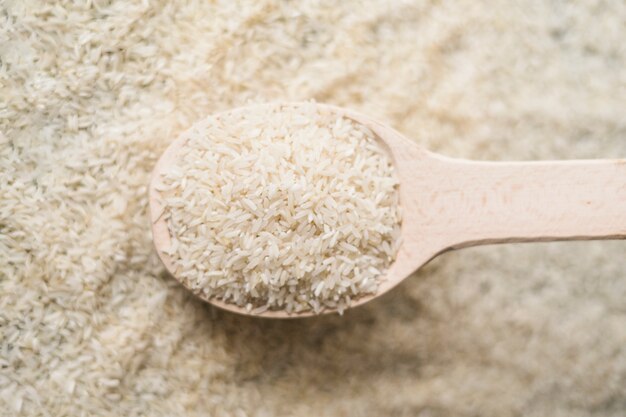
454,203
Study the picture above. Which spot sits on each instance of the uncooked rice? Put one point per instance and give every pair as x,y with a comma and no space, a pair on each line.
92,92
288,207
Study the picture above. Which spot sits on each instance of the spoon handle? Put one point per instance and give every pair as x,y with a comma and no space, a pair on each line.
534,201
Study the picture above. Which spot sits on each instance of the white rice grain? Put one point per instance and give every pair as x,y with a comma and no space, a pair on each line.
297,195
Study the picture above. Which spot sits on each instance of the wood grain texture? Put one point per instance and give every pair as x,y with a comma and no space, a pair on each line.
453,203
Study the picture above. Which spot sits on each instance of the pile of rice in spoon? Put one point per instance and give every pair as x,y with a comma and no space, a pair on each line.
283,207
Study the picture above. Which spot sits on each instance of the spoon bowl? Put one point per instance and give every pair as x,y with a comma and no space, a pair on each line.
452,203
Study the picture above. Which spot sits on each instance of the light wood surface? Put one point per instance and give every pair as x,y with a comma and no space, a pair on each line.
452,203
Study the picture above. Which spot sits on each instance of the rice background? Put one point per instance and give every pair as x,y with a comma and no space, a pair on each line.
90,94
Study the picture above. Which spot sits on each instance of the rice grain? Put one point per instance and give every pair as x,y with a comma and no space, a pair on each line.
291,189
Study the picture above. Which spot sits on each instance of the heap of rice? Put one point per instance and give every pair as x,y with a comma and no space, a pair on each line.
92,92
282,206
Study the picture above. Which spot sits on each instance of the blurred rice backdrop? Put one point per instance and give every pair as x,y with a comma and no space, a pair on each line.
92,91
